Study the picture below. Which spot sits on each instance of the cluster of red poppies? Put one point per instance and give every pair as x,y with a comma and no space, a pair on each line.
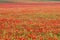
16,29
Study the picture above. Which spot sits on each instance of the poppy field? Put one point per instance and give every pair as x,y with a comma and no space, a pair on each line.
30,22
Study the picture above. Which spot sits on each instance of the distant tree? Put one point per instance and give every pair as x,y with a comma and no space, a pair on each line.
12,1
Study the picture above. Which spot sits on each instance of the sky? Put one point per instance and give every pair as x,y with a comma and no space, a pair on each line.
15,1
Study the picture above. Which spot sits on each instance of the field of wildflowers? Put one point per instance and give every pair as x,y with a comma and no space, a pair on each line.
29,22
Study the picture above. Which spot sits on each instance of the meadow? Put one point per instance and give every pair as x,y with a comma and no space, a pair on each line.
30,22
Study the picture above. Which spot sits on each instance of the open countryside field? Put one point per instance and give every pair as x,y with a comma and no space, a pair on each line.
36,21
